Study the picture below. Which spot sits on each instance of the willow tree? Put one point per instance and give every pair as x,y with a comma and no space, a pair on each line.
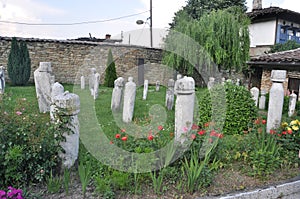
221,37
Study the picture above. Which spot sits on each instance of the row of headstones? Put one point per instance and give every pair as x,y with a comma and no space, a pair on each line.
212,81
94,82
52,98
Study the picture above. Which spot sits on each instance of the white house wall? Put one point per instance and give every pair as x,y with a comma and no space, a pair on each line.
262,33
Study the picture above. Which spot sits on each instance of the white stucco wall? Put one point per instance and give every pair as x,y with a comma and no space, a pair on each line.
262,33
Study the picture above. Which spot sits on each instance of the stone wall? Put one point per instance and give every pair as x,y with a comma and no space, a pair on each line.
266,82
72,59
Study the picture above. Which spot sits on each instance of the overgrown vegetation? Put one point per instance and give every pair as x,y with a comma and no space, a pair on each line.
289,45
110,71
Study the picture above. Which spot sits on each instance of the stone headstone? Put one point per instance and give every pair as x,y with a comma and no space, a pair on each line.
117,94
82,82
223,80
170,95
92,80
145,91
262,100
2,80
57,89
255,93
179,76
276,99
211,82
157,85
68,105
238,82
129,99
43,82
292,104
184,107
96,85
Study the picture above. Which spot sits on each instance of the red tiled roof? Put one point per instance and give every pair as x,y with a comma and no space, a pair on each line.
287,57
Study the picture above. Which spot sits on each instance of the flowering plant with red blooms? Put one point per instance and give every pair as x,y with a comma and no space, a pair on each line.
118,135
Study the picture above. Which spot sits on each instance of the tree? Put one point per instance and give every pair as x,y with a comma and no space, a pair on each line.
289,45
19,64
221,37
110,71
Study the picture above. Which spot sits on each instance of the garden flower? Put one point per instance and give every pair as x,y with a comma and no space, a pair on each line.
185,129
123,130
206,124
272,132
118,135
124,138
289,130
19,113
257,121
283,132
294,122
202,132
264,121
295,128
193,136
150,137
284,124
160,127
195,127
2,194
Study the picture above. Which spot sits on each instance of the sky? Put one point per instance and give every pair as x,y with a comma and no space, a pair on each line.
77,11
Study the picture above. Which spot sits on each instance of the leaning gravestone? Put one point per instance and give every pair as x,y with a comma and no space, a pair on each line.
210,83
96,85
117,94
292,104
43,82
170,95
92,80
262,100
2,80
129,99
67,105
145,91
184,107
276,99
255,93
157,86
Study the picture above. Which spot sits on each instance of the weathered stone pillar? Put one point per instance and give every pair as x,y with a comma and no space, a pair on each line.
145,91
184,107
211,82
96,85
82,82
223,81
255,93
2,80
43,82
92,80
238,82
117,94
157,86
57,89
170,95
129,99
292,104
262,100
276,99
67,105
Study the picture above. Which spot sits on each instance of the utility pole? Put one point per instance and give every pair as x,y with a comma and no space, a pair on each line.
151,36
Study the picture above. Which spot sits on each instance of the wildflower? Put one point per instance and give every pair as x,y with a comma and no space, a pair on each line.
264,121
284,124
195,127
206,124
289,130
193,136
202,132
294,122
295,128
124,138
2,194
150,137
160,127
220,135
118,135
283,133
272,132
185,129
257,121
123,130
213,133
19,113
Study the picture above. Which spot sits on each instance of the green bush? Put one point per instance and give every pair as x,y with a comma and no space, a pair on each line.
19,64
110,71
231,110
29,144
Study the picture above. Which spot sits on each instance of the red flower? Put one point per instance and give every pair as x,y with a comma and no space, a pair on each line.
272,132
118,136
290,131
195,127
124,138
160,127
264,121
193,136
206,124
210,140
279,135
257,121
220,135
202,132
283,132
123,130
213,133
150,137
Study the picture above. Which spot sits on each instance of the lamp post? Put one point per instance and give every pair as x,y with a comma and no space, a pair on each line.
139,22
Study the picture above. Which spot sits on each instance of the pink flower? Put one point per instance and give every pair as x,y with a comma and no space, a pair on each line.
19,113
160,127
124,138
202,132
185,129
193,136
150,137
195,127
123,130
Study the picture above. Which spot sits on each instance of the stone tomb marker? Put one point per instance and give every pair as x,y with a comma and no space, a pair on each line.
276,99
145,91
2,80
129,99
255,93
262,100
92,80
170,95
210,83
117,94
292,104
157,86
96,85
82,82
43,82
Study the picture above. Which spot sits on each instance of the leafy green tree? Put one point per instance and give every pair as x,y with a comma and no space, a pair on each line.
221,37
19,64
289,45
110,71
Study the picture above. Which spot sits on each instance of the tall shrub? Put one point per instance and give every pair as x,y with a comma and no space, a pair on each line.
18,63
110,71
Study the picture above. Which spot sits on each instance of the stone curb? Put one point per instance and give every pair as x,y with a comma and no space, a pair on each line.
289,190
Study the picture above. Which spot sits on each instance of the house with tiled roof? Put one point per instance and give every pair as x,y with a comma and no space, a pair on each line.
270,26
262,65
